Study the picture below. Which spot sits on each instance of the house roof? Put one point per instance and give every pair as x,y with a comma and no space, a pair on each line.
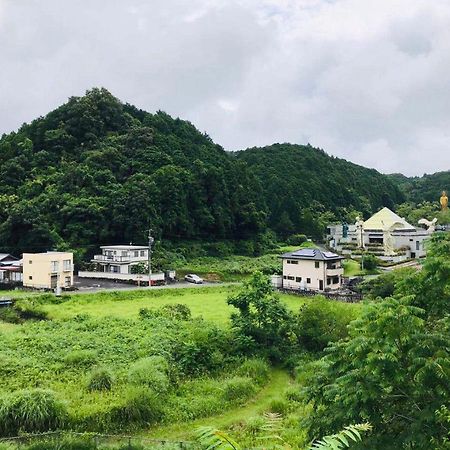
7,257
125,247
314,254
385,218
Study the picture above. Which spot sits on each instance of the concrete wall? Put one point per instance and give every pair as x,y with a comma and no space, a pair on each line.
38,270
121,276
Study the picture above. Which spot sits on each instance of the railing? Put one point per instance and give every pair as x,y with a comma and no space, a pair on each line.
334,271
116,258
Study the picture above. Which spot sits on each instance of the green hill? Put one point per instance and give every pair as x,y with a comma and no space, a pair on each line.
425,188
98,171
301,184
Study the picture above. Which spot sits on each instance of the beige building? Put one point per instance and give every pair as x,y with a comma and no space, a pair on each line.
312,269
48,270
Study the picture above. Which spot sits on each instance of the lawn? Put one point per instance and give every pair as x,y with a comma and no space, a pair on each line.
352,268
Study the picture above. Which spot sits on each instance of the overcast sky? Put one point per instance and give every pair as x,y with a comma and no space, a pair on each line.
367,80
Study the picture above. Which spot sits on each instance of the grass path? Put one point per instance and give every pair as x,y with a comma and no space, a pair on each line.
279,381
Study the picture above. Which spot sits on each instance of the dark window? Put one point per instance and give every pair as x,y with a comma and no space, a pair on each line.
291,278
308,280
317,264
285,277
30,262
328,280
417,245
30,277
298,279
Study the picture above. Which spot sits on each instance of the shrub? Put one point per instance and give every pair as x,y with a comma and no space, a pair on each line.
321,321
369,262
297,239
255,425
238,388
28,310
100,379
177,311
256,369
80,358
279,406
150,372
293,394
141,407
9,315
30,410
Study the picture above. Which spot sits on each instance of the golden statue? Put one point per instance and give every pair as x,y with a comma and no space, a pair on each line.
444,201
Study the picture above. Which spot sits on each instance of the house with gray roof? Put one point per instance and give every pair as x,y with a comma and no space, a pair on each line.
312,269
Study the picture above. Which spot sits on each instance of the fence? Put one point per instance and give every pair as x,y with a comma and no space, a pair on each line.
60,440
349,297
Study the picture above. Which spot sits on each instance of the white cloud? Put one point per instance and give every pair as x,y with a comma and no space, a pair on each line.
364,80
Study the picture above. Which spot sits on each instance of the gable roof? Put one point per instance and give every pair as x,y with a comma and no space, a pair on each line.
385,218
314,254
7,257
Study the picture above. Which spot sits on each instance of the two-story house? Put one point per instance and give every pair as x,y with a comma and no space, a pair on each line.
119,259
312,269
48,270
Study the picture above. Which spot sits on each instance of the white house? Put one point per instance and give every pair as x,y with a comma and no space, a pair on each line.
120,258
10,269
312,269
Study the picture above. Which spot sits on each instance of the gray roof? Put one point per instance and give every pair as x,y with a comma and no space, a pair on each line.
311,253
8,257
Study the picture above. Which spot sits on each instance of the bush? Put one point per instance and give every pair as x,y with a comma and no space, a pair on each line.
100,379
150,372
80,358
321,321
9,315
279,406
293,394
369,262
31,410
256,369
255,425
297,239
141,407
28,310
238,388
177,311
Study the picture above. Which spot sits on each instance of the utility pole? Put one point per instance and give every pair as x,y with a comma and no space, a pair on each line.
150,242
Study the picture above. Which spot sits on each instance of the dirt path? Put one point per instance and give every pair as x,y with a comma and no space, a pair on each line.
184,431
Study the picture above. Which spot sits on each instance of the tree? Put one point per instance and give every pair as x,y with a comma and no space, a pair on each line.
262,322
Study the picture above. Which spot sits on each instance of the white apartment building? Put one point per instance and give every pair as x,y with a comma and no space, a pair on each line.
312,269
119,259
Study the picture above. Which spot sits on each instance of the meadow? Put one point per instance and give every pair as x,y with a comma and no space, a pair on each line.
159,362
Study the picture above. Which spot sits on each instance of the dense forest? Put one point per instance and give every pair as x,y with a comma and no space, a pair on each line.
303,185
420,189
96,171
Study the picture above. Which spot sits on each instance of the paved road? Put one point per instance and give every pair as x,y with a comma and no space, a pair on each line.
89,286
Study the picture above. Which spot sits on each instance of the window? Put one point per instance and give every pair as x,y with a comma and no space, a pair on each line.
30,277
328,280
67,265
284,277
417,245
298,279
54,266
142,252
290,278
30,262
293,262
317,264
67,281
136,253
124,253
308,280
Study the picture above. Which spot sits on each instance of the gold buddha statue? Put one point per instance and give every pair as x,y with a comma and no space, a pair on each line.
444,201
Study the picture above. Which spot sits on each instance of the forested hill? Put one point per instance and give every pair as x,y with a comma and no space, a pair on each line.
96,171
425,188
301,184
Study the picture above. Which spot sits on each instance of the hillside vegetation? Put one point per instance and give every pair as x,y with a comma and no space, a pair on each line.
97,171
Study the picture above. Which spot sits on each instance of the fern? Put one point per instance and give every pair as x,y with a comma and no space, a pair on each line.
343,439
210,439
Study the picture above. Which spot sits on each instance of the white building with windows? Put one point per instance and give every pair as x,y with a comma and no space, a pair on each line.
385,234
48,270
120,258
312,269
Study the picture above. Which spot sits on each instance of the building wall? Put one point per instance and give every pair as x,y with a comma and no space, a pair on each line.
38,270
304,273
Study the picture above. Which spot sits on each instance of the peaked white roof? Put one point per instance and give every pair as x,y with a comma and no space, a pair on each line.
385,218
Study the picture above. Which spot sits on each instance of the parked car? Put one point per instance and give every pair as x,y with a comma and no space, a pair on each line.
192,278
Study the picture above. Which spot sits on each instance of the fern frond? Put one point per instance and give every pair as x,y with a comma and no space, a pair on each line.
211,439
339,440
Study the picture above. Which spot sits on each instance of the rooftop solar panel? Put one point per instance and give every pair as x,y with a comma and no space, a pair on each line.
330,255
305,252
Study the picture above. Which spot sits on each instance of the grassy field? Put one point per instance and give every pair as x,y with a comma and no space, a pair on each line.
352,268
208,302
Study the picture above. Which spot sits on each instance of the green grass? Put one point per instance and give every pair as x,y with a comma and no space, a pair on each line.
279,381
208,302
352,268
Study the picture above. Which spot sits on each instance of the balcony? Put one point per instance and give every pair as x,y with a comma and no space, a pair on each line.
336,271
118,259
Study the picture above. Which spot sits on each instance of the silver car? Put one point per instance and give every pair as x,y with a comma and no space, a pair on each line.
192,278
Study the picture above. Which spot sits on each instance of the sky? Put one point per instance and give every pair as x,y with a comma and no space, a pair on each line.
365,80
